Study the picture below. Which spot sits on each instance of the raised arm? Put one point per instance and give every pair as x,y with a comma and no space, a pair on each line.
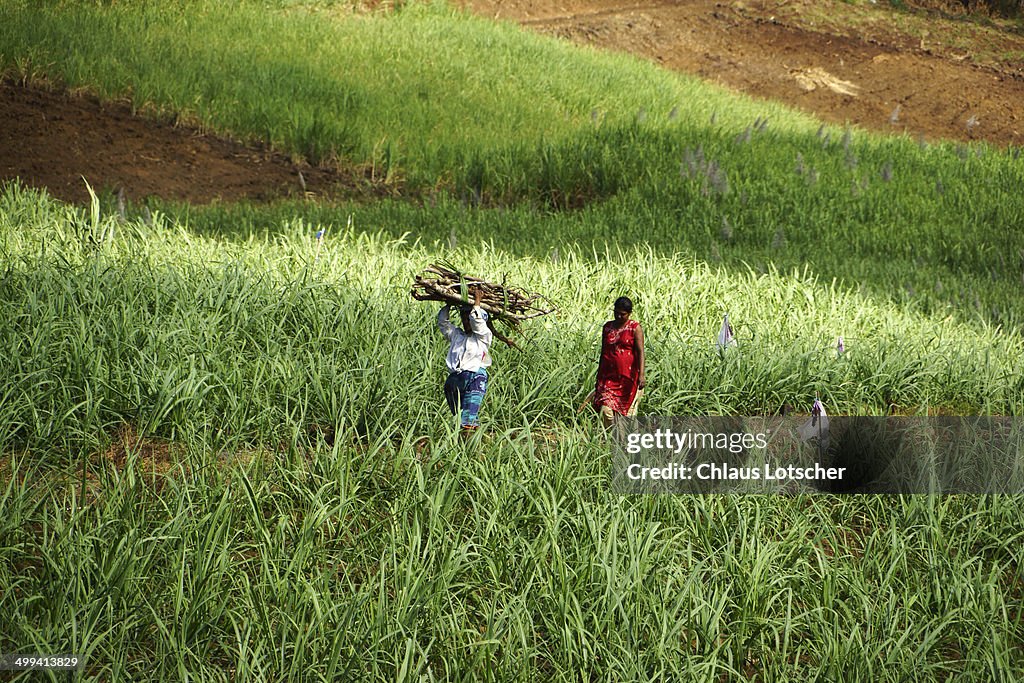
477,319
447,329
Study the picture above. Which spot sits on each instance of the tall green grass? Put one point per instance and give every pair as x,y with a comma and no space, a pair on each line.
632,155
956,253
510,563
218,341
320,520
420,92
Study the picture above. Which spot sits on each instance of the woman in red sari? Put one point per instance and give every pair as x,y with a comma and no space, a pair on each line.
620,371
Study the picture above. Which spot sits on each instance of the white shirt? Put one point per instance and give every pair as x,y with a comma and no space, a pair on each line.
467,351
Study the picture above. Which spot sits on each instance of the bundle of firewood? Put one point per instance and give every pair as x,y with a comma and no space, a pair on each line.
510,306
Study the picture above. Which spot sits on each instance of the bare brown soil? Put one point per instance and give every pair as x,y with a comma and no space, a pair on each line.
54,139
933,75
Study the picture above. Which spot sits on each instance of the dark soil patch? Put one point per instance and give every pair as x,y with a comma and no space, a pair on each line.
53,139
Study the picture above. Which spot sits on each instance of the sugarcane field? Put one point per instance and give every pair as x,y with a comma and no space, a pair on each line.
358,340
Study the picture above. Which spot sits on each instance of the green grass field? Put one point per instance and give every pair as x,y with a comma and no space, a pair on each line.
223,461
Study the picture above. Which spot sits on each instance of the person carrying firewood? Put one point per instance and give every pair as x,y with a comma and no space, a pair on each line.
468,359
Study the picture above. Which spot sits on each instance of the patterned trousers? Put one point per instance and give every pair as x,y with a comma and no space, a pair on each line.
465,390
608,414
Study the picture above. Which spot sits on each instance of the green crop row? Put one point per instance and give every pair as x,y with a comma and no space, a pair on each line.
256,340
224,454
395,559
464,113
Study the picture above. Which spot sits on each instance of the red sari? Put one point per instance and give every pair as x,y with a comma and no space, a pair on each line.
618,371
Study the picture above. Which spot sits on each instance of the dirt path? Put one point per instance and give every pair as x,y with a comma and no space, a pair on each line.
931,76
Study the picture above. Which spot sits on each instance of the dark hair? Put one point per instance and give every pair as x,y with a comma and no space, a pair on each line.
623,304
